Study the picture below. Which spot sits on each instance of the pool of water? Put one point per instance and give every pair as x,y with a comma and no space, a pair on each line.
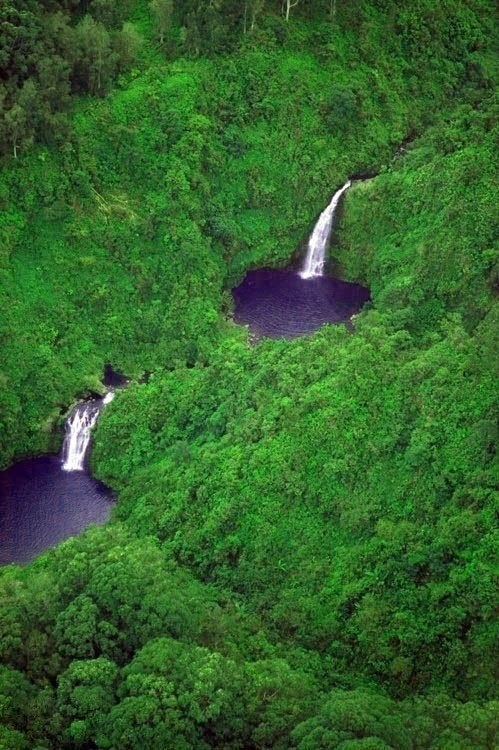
41,505
281,304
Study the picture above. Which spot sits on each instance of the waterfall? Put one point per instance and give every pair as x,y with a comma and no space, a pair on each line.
317,243
78,430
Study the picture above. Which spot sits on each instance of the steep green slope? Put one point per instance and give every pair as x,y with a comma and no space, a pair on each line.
423,234
345,487
345,484
117,244
303,549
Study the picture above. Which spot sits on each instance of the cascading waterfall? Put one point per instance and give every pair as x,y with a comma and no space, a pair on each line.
318,241
78,431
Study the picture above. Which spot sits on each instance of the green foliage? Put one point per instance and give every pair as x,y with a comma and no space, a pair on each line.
302,552
45,54
190,671
357,719
268,450
85,694
416,268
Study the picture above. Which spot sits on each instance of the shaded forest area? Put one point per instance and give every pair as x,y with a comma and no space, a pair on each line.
49,51
304,548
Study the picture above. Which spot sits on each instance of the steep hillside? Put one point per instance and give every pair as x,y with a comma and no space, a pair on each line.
303,551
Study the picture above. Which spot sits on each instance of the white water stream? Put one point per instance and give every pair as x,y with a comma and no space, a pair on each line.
78,432
318,241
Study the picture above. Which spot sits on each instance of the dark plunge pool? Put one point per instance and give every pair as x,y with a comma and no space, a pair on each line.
40,505
282,304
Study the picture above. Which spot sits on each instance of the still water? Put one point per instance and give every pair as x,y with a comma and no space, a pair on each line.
40,505
282,304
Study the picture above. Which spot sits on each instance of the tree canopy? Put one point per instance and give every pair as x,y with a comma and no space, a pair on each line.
303,550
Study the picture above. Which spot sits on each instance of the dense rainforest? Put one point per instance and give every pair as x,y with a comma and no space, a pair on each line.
303,552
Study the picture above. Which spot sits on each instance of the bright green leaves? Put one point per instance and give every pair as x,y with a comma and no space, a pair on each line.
426,228
76,629
85,694
149,719
327,490
356,719
337,489
198,698
278,697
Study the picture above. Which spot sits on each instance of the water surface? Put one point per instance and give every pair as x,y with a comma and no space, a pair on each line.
281,304
41,505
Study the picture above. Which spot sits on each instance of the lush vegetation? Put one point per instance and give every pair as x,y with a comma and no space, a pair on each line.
303,550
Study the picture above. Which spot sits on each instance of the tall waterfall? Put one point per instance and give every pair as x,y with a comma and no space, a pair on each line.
317,243
78,430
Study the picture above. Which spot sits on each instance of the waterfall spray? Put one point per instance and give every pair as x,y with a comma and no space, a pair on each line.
318,241
78,432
